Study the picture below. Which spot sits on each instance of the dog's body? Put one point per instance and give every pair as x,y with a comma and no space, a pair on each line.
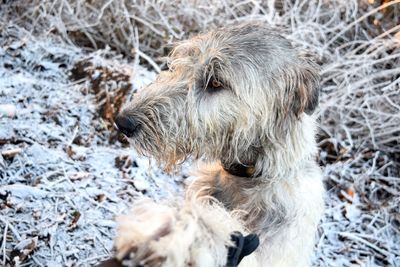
241,99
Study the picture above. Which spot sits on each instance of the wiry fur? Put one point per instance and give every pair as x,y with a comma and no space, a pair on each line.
238,95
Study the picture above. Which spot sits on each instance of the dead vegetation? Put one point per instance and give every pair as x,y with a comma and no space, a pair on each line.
109,81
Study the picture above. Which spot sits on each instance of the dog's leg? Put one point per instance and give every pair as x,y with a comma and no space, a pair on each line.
195,234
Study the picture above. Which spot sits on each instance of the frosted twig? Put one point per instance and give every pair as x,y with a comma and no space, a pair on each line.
3,245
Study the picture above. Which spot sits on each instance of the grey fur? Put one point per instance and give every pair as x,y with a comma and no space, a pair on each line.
237,95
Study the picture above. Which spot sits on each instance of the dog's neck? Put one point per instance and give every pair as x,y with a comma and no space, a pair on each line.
285,156
280,160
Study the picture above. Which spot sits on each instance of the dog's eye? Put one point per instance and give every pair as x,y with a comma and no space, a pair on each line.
215,84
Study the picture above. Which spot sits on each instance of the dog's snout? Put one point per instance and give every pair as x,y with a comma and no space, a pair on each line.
127,126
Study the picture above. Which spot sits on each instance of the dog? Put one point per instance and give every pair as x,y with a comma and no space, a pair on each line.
240,100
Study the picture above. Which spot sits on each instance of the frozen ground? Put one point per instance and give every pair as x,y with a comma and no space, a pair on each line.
59,195
64,175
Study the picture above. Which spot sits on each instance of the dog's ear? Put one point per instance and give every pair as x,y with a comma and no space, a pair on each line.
303,86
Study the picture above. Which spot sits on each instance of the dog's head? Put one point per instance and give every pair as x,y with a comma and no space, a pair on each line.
229,94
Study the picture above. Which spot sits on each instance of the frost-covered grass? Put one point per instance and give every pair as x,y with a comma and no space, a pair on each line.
62,191
59,196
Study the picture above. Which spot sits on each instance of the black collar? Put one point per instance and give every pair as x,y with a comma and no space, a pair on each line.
240,170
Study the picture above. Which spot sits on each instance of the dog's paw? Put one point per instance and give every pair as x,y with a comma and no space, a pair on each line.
139,235
188,235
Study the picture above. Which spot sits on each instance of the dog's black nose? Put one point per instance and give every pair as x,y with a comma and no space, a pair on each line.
127,126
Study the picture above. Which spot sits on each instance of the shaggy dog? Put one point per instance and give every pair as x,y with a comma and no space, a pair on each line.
240,99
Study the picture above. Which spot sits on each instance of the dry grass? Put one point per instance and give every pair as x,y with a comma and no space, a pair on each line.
358,46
